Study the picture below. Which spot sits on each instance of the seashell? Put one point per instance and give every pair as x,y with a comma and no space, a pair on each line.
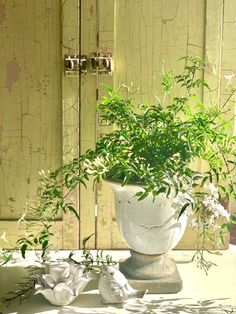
62,282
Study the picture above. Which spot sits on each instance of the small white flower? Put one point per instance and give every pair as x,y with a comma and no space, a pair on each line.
193,223
229,79
22,218
212,204
3,237
209,202
221,211
213,189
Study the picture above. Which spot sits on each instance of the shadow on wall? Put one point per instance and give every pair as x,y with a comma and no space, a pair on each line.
233,235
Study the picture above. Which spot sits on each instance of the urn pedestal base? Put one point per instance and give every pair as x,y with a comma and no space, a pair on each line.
157,273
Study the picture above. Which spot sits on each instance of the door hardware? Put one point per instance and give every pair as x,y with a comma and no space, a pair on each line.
73,64
101,63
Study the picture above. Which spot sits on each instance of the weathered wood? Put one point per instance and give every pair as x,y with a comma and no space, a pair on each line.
12,230
70,115
88,118
228,65
146,33
30,110
37,132
108,235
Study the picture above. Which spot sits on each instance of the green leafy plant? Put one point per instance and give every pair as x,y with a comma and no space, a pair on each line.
92,262
156,146
6,256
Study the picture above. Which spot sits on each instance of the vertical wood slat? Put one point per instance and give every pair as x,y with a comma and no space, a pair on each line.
212,51
30,110
30,100
88,119
108,235
228,64
70,115
213,38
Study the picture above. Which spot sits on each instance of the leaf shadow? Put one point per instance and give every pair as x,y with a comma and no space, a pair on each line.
91,303
177,306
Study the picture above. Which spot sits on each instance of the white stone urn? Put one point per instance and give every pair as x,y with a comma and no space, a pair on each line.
151,229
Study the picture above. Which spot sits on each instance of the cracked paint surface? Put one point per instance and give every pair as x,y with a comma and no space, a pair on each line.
150,36
30,110
3,17
141,34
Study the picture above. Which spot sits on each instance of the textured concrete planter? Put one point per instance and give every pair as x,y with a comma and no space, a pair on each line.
151,229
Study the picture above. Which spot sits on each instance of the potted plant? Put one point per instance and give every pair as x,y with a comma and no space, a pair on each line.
150,155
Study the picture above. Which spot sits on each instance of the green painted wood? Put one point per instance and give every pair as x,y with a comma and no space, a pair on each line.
30,109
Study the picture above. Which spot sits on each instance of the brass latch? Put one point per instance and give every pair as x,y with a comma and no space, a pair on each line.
73,64
100,63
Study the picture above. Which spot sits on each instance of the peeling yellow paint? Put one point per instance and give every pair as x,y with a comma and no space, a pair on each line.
30,109
13,74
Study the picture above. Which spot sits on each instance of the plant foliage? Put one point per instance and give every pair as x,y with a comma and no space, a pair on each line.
155,146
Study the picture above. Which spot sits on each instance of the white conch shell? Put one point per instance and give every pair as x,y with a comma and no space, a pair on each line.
63,282
114,287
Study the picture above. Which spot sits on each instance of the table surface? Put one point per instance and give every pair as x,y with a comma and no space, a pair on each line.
214,293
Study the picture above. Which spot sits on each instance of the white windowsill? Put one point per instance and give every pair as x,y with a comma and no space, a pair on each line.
217,291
